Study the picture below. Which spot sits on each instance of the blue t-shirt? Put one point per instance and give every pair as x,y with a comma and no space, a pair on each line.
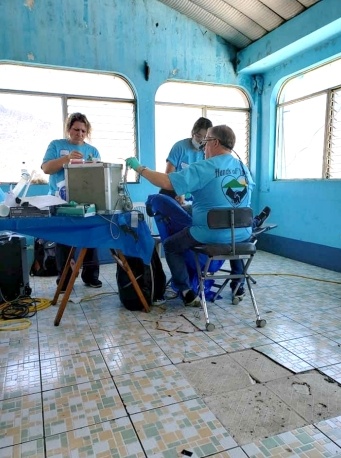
59,148
183,153
219,182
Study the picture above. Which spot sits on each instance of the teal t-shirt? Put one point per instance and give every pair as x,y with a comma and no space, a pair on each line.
183,153
219,182
59,148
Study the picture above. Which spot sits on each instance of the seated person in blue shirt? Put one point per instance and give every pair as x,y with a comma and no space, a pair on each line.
221,180
58,153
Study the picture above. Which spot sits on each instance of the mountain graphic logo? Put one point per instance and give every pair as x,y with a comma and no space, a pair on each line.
234,189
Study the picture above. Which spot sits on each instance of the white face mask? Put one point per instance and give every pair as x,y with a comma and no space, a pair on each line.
195,144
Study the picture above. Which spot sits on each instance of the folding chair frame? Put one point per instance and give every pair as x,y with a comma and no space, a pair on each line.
229,219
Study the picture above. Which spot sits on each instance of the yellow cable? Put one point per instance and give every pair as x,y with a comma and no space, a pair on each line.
298,276
15,325
41,304
35,304
89,298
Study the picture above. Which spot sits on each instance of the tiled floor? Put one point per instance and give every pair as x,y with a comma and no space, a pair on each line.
107,382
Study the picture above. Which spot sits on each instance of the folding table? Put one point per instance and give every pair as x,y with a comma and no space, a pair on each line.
124,233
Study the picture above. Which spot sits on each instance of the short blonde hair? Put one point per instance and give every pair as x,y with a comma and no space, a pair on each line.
74,117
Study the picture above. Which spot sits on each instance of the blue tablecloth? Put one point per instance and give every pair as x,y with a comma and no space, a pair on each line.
121,231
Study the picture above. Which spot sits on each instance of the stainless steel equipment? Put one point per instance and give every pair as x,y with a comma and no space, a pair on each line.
98,183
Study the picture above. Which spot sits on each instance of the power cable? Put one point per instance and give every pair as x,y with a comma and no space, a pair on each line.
295,275
14,314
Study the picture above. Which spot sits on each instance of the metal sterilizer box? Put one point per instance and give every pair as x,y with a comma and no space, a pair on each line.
98,183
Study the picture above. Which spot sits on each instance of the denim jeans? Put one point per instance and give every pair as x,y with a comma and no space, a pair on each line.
175,247
237,268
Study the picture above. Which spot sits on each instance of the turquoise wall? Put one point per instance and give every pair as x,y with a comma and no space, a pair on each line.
308,212
117,36
120,35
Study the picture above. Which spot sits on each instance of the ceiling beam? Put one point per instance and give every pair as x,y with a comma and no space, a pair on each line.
320,22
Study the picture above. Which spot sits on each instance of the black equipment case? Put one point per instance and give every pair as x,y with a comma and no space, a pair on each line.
14,271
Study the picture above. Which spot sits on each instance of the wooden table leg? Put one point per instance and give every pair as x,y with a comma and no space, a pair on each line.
73,277
121,259
63,276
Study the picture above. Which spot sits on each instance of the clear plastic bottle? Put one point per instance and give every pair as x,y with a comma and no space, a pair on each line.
2,196
25,177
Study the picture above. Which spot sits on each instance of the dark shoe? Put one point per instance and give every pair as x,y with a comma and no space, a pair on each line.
238,296
240,292
191,299
95,283
263,215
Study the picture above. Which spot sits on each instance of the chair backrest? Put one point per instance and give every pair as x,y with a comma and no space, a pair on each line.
228,218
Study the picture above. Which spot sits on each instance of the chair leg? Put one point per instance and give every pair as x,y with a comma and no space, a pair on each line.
237,299
253,280
201,279
222,286
259,322
243,277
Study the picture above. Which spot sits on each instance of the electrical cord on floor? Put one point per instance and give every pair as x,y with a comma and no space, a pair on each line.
15,325
94,296
22,307
15,315
253,274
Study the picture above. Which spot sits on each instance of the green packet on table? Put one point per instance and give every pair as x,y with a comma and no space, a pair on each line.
75,209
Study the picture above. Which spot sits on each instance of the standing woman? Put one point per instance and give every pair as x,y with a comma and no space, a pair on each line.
58,153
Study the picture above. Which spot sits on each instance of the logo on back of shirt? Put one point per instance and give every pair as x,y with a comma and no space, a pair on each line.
234,189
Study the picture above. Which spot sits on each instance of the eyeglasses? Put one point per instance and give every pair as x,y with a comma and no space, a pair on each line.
204,142
208,139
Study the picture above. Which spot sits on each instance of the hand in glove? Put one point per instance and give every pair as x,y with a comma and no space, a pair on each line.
133,163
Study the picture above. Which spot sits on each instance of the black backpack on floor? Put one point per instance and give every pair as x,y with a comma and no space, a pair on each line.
151,279
44,264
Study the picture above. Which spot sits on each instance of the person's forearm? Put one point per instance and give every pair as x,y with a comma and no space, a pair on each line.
156,178
53,166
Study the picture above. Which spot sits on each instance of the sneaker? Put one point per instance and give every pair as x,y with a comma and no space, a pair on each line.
170,293
240,292
263,215
191,299
95,283
158,302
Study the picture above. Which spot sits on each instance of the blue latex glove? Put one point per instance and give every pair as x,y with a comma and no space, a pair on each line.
133,163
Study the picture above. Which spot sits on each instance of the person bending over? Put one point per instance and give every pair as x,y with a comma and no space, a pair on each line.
185,152
58,153
219,181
